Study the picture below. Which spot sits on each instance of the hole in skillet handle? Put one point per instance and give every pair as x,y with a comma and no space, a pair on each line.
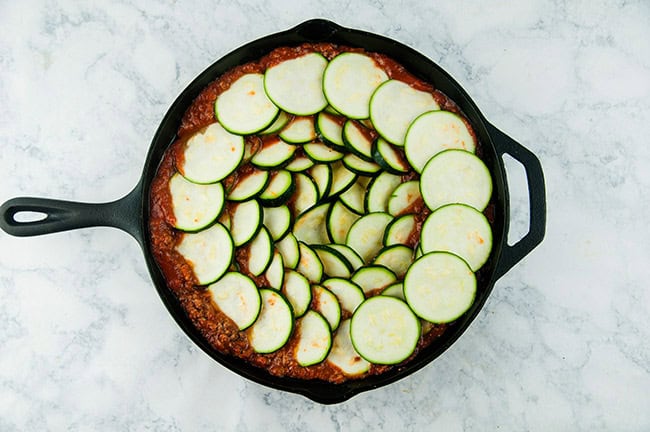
316,30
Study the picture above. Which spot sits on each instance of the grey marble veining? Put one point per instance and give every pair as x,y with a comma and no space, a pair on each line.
561,344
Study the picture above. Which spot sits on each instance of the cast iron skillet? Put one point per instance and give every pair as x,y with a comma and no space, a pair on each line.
131,213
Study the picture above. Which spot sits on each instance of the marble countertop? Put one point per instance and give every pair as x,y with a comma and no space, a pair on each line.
562,342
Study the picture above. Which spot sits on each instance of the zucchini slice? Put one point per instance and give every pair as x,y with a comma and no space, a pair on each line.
379,191
208,252
260,253
384,330
339,221
278,221
299,164
373,277
349,294
403,197
360,166
299,130
342,179
314,341
237,296
397,258
350,255
274,324
399,230
306,195
245,108
298,291
395,290
353,198
330,128
296,85
246,221
211,155
459,229
319,152
343,355
394,105
273,154
358,139
278,190
367,233
195,206
349,81
433,132
309,264
322,176
249,186
389,158
311,226
275,273
440,287
280,122
327,304
334,263
290,251
456,176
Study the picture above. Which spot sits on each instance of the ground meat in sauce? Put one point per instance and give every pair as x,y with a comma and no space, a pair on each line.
216,327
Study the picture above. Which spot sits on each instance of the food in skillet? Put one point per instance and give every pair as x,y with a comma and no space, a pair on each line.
322,213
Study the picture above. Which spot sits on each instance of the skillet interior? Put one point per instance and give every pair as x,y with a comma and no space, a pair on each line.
325,31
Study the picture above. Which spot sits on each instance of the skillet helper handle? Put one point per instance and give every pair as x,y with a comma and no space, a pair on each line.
67,215
512,254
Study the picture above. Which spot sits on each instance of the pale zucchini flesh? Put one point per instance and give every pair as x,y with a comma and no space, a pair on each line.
343,355
208,252
349,294
274,324
315,339
195,206
245,222
367,233
237,296
328,305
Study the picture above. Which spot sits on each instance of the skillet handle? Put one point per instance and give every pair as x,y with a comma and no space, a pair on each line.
59,215
512,254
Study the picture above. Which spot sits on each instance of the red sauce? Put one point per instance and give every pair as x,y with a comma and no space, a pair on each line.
215,326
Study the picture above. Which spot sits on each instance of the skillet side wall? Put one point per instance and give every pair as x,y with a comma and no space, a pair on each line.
421,67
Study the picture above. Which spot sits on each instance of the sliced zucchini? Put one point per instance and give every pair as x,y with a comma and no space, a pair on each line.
397,258
366,235
298,291
208,252
456,176
249,186
246,221
373,277
459,229
353,258
349,81
440,287
296,85
211,155
314,341
344,356
339,221
260,253
280,122
327,304
389,158
278,190
353,198
275,273
330,128
403,198
244,108
394,105
274,323
379,191
358,139
195,206
273,154
334,263
342,179
306,195
309,264
320,153
322,176
237,296
384,330
399,230
418,251
299,164
278,221
433,132
349,294
290,250
395,290
362,167
311,226
299,130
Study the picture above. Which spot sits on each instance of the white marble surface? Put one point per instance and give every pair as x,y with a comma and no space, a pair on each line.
562,343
